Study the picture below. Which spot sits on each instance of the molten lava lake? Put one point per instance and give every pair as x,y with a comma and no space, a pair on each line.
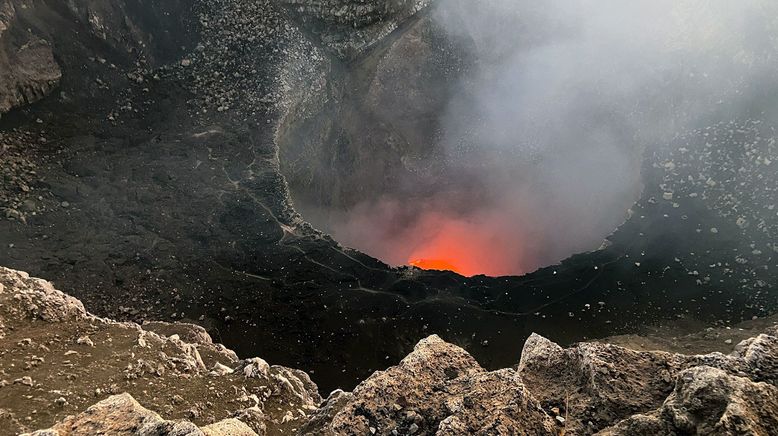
467,247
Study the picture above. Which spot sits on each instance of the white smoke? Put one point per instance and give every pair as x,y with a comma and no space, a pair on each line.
552,127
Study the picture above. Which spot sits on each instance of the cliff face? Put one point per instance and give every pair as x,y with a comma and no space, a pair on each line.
170,379
28,71
39,41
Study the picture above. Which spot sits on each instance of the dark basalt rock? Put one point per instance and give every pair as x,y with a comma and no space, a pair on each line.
41,41
349,28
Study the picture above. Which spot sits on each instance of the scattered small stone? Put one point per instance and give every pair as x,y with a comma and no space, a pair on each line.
85,340
26,381
219,369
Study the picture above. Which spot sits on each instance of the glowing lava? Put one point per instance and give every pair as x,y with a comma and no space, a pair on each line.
434,264
466,246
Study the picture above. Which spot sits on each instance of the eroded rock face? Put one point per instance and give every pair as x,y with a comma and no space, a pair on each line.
27,72
437,389
380,115
709,401
598,384
36,45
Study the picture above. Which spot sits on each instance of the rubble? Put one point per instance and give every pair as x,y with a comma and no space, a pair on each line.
198,381
166,386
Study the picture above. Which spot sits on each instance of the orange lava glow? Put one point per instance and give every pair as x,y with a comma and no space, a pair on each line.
467,247
434,264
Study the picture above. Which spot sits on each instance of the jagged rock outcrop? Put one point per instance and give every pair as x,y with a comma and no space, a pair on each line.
598,384
437,389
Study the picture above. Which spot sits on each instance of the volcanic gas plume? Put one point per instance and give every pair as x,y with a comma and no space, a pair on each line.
537,152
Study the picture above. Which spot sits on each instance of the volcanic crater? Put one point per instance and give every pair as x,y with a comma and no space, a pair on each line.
269,169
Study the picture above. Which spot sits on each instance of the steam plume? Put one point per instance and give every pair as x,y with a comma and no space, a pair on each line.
543,142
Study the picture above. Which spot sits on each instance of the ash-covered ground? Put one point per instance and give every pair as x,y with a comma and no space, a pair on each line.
151,184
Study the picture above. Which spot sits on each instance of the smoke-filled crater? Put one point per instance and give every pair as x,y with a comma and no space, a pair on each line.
497,140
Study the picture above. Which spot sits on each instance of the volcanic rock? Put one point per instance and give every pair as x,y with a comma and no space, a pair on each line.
191,333
27,73
228,427
597,384
350,28
437,389
122,415
119,414
166,374
711,402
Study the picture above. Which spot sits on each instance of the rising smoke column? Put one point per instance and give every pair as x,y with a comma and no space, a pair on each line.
543,143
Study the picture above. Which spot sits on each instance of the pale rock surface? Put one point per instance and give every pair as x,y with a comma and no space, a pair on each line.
708,401
66,360
121,415
438,388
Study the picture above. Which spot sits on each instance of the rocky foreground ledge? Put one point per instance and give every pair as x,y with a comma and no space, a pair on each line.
76,374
